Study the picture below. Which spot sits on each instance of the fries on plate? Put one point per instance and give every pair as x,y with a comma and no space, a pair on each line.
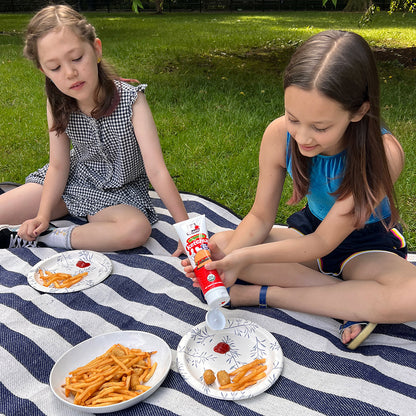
60,280
242,377
113,377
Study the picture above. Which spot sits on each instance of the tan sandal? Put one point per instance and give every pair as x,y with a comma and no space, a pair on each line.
367,329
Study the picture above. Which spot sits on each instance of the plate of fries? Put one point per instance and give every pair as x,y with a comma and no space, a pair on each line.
111,372
239,362
69,271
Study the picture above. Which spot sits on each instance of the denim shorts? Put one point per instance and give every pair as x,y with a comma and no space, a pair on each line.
373,237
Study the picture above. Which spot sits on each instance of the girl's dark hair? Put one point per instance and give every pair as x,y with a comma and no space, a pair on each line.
57,17
341,66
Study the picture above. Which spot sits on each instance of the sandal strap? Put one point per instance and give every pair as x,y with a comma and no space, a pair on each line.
262,297
347,324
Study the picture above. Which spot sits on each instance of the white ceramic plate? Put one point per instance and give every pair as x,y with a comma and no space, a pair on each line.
247,341
86,351
98,270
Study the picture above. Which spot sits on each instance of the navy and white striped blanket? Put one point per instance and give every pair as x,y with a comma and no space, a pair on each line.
148,291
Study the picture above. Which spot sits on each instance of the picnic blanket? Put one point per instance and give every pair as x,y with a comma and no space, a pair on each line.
148,291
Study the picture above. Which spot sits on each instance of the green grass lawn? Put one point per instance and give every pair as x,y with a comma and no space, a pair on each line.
215,82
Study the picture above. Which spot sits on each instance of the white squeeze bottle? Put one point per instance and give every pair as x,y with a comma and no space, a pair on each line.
194,237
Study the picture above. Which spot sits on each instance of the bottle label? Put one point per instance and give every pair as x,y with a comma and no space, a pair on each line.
207,279
194,237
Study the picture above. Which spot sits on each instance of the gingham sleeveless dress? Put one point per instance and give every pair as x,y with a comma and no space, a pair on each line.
107,167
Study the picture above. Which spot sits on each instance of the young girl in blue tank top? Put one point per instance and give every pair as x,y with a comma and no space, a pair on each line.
343,255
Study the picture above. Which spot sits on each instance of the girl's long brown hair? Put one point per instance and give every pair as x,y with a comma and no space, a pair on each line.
53,18
341,66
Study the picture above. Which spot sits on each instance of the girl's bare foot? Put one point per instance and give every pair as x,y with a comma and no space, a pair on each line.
354,333
350,333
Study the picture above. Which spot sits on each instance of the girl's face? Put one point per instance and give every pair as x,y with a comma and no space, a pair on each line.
316,122
71,64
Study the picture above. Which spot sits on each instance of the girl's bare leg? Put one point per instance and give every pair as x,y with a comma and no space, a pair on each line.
22,203
120,227
115,228
377,287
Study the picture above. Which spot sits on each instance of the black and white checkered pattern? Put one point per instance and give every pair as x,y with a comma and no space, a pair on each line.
107,168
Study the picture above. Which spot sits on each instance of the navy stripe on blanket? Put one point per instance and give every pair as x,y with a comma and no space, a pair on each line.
325,404
16,406
33,314
27,353
148,291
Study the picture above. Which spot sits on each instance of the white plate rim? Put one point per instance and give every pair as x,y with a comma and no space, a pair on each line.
89,281
109,339
272,375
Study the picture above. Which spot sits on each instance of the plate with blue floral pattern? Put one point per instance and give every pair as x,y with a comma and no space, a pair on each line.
97,265
239,343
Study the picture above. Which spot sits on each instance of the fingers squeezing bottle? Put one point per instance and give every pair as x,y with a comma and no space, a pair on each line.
194,237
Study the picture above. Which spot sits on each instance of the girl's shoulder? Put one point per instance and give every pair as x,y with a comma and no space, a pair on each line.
389,139
277,126
391,144
125,84
129,90
274,141
394,153
127,96
276,131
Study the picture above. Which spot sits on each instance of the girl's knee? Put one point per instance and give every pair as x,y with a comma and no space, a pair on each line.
135,233
222,238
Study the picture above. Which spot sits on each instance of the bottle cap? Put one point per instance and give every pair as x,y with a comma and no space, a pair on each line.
215,319
217,296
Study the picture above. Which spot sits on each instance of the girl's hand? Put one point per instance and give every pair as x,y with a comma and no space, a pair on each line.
187,268
228,266
32,228
216,253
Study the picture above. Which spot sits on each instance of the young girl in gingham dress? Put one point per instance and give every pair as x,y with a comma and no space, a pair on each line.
115,148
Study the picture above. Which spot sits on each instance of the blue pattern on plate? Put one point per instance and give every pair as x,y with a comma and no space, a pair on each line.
247,342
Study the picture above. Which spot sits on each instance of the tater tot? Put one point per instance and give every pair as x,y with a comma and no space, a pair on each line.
135,379
118,352
209,377
223,378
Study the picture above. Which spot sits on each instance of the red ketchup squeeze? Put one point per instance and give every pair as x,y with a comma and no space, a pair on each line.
81,264
194,237
222,348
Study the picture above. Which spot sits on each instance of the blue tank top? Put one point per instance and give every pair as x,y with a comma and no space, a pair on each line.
326,176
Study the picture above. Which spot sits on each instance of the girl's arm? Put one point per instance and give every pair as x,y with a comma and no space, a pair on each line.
395,156
335,227
156,170
256,225
54,184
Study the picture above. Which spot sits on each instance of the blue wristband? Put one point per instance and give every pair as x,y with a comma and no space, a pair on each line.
262,297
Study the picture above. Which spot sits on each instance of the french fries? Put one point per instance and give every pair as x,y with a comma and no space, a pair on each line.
60,280
113,377
245,376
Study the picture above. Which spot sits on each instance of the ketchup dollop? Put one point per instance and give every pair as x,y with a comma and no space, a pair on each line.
222,348
81,264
